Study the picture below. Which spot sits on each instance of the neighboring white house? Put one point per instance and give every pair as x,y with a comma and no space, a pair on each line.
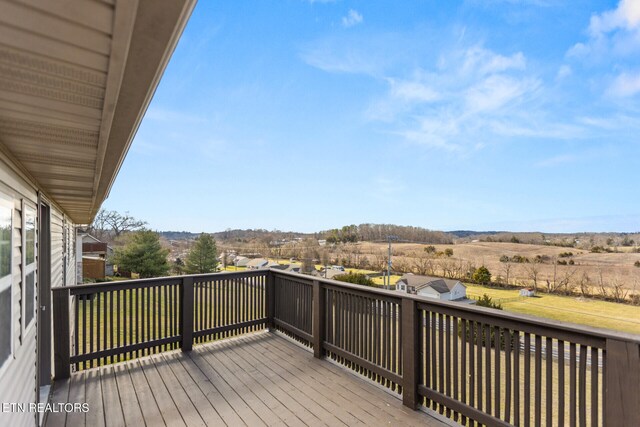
527,292
257,263
241,261
329,273
76,79
293,268
432,287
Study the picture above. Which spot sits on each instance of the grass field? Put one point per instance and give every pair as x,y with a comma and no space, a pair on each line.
590,312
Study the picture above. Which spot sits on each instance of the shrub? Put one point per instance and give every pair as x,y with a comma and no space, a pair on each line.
486,301
637,263
356,278
430,249
504,258
448,252
482,275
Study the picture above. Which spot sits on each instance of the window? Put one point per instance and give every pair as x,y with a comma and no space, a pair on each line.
29,265
6,306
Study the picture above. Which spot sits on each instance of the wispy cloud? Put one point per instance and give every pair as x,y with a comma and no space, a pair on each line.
625,85
353,18
614,43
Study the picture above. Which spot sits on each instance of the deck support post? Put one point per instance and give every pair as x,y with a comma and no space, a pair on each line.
622,384
61,333
318,319
270,285
410,353
186,323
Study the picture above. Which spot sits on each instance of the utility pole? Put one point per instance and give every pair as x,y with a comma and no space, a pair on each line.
389,239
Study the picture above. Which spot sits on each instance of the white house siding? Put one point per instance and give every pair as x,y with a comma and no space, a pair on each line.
458,291
431,293
18,376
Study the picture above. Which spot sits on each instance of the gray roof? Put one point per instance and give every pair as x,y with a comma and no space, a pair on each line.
442,286
258,262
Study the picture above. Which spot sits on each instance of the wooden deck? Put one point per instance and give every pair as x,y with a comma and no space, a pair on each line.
259,379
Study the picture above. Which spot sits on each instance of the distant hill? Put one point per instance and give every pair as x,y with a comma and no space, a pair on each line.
178,235
467,233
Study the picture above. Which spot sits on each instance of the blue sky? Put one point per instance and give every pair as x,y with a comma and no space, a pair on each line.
307,115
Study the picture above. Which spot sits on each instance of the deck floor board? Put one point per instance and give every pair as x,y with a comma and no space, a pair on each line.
257,379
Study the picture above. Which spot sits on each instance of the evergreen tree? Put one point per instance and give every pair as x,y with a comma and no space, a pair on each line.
143,254
203,256
357,278
482,275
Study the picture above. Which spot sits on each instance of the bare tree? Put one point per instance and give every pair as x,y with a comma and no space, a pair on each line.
113,222
585,284
618,291
602,287
506,268
533,269
422,263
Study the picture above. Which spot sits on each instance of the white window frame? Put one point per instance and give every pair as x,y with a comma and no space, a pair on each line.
7,282
28,269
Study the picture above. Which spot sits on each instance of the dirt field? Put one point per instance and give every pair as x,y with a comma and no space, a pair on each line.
608,269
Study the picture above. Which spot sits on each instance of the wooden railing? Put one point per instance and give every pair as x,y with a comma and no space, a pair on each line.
471,364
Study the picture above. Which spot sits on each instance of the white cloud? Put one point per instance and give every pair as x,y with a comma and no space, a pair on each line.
413,91
625,85
614,32
483,61
563,72
352,18
473,96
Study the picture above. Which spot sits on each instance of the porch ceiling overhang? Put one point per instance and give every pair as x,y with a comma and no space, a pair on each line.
76,78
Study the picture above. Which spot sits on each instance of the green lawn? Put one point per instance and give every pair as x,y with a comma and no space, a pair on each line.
591,312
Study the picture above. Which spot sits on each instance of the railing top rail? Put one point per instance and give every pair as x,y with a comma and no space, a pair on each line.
165,280
470,309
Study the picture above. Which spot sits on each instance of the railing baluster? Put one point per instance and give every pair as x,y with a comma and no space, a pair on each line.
99,325
515,345
76,329
456,378
479,364
549,383
527,379
561,391
463,375
582,377
441,361
572,384
538,381
594,387
497,353
507,369
88,298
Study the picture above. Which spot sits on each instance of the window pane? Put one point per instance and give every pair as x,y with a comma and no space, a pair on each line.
5,241
30,292
5,325
30,233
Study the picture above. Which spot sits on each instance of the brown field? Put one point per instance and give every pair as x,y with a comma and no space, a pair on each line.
608,269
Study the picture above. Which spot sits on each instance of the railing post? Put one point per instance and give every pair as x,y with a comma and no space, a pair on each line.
270,297
187,313
410,353
318,319
61,333
622,384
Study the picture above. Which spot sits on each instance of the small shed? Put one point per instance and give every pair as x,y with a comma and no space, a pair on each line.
527,292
